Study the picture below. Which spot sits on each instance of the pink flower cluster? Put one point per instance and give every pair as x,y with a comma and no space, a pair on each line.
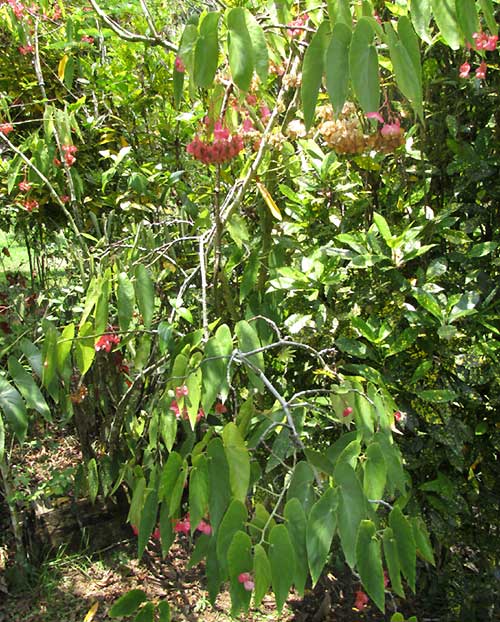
174,406
69,154
17,7
389,129
179,65
223,148
464,70
24,186
184,526
6,128
247,580
485,42
156,532
296,26
87,39
30,204
361,600
26,49
106,341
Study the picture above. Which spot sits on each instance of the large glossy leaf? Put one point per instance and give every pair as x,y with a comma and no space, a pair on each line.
363,61
409,39
192,401
248,341
145,294
420,13
262,574
240,48
84,348
127,604
169,476
145,613
28,388
321,526
34,356
259,46
125,301
489,15
102,304
239,560
233,521
337,66
167,534
14,409
446,20
405,543
351,509
394,462
148,520
296,523
312,72
392,561
238,460
214,367
340,11
375,472
64,344
206,51
220,488
422,540
92,479
301,485
369,563
467,18
198,491
282,560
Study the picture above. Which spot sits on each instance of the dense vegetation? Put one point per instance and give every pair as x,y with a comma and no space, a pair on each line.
262,287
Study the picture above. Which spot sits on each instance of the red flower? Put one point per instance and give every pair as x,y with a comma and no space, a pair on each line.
481,71
347,411
183,526
295,27
87,39
181,391
26,49
6,128
135,530
30,204
397,415
391,129
464,70
106,341
220,408
156,534
179,65
204,528
24,186
361,600
247,580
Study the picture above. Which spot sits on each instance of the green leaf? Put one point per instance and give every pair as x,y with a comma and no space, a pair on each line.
383,227
363,61
337,66
218,350
14,409
405,543
467,18
125,296
218,475
466,305
482,249
282,560
148,521
392,456
49,357
437,396
392,561
178,85
248,340
422,540
446,20
164,611
145,614
428,302
375,472
192,401
259,46
262,574
28,388
206,51
2,440
301,485
198,492
134,513
239,559
240,49
369,563
64,344
169,475
312,72
127,604
84,348
34,356
233,521
238,460
420,13
145,294
167,534
93,479
489,15
296,523
351,509
321,526
102,304
340,11
409,39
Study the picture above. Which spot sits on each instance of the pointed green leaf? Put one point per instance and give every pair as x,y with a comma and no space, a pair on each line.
145,294
206,51
200,550
14,409
178,85
467,18
369,563
214,367
49,357
102,304
167,534
259,46
296,523
321,526
383,227
146,613
422,540
351,509
392,561
169,476
28,388
409,39
262,574
407,78
489,15
420,13
239,559
337,66
220,488
248,340
375,472
125,296
2,440
164,611
127,604
64,344
340,11
363,61
446,20
282,560
233,521
405,543
394,462
312,72
240,49
301,485
134,513
192,401
84,348
34,356
93,479
148,520
198,492
238,460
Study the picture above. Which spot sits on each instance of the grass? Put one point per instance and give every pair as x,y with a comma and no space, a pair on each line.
18,260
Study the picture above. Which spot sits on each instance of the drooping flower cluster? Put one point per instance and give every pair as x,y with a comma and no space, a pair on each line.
26,49
484,41
69,154
247,580
184,526
6,128
296,26
106,342
24,186
361,600
224,146
17,7
174,406
87,39
30,204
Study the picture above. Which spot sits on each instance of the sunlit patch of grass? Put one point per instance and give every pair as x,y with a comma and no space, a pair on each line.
13,255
